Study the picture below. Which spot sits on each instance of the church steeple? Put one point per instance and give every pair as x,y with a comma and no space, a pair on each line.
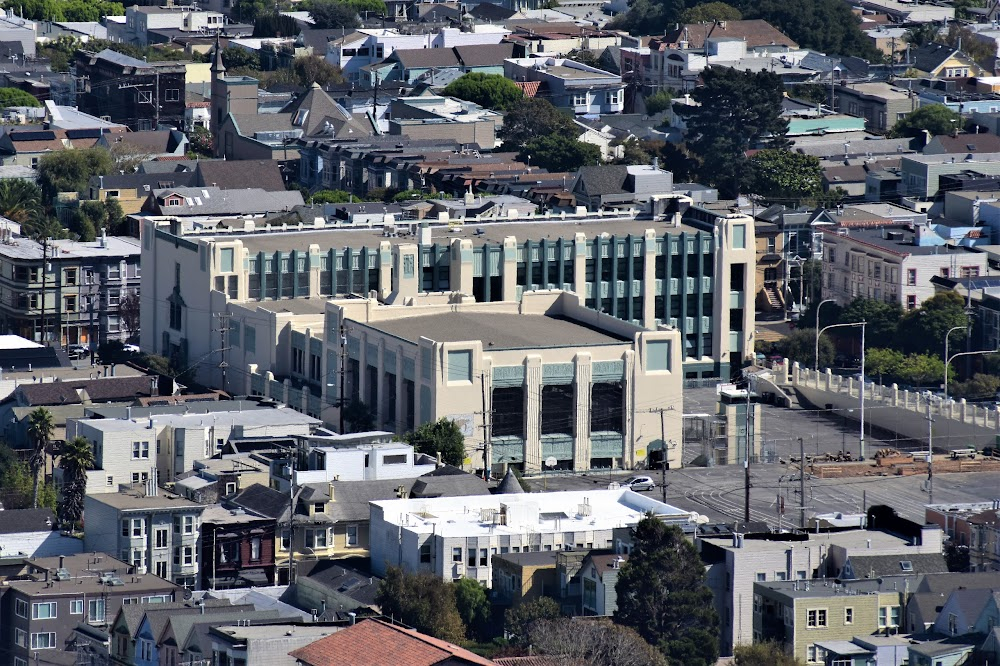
217,65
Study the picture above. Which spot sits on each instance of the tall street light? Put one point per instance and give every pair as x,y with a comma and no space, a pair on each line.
861,392
948,335
818,307
947,362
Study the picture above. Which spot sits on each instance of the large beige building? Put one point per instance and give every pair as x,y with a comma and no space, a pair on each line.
541,380
222,298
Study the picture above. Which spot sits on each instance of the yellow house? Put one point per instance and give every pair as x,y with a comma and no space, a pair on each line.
943,61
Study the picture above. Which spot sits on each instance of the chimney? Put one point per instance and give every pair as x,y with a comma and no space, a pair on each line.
62,561
153,388
332,496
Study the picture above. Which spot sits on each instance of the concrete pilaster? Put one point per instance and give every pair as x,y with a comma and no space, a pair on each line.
648,279
384,269
583,373
379,383
628,436
580,264
895,395
460,266
828,379
509,259
533,412
400,415
314,270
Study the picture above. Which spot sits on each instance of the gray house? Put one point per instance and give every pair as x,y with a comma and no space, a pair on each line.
610,186
598,577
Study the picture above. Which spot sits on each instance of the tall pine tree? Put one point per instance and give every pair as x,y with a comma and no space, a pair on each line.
736,111
662,595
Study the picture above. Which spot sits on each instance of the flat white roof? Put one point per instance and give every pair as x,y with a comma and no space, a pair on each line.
849,539
534,512
268,416
16,342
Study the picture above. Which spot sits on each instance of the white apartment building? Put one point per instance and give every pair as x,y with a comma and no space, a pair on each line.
736,563
572,85
140,20
371,456
156,533
368,46
892,264
160,447
456,537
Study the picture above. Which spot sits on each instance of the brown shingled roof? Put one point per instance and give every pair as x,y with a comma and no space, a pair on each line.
105,389
756,32
377,643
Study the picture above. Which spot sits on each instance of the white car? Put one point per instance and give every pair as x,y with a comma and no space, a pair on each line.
639,483
132,349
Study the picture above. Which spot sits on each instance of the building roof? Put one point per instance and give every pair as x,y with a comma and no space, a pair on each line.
348,578
755,32
214,201
105,389
426,58
484,55
902,244
133,501
876,566
497,331
968,143
510,484
61,250
603,179
606,561
183,625
85,573
154,142
132,614
929,57
261,500
376,643
15,521
241,174
140,180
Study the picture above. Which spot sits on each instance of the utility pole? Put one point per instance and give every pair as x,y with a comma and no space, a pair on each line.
223,332
802,483
45,260
341,399
930,455
487,432
664,462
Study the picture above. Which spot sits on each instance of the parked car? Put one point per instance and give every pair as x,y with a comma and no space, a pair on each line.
639,483
131,349
77,351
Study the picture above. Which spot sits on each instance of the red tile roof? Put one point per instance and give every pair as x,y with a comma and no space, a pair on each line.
530,88
376,643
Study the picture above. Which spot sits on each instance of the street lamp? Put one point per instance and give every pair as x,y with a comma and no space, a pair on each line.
816,357
946,336
947,362
861,391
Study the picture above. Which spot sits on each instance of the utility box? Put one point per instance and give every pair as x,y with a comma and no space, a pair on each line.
731,445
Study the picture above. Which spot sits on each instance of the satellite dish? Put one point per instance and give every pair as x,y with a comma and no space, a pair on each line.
551,461
187,594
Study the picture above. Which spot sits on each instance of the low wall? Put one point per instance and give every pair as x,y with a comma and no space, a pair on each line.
957,424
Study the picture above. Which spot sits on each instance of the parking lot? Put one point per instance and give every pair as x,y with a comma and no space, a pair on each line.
717,492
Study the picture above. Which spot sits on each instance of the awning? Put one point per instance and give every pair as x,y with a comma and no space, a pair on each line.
255,576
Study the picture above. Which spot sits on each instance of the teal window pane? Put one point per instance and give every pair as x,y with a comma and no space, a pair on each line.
226,260
658,355
460,366
739,236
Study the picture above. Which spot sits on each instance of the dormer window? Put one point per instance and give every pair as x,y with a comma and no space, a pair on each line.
300,117
318,507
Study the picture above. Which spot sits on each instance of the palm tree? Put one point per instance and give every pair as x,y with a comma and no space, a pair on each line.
20,200
76,458
40,429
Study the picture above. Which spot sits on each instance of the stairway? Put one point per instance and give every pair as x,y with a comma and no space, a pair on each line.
773,296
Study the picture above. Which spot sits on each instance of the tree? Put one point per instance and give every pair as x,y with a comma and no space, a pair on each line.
491,91
17,97
247,11
20,200
330,196
115,217
806,281
518,620
585,57
977,387
674,158
422,601
332,14
76,457
882,362
70,170
200,141
234,57
957,557
531,118
88,220
927,325
662,595
442,436
657,102
592,643
827,26
129,310
16,484
558,153
473,605
922,33
359,417
316,69
736,111
274,25
782,176
882,320
40,428
763,654
934,118
920,369
711,12
965,40
633,152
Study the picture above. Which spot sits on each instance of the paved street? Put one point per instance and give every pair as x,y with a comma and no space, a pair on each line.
717,492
